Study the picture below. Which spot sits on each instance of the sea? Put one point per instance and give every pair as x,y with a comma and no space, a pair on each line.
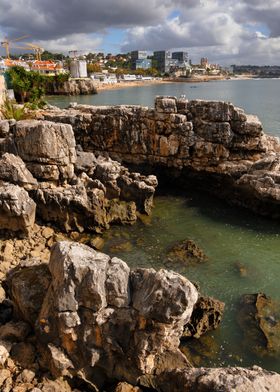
243,249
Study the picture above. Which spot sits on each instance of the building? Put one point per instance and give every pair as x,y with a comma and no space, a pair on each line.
163,61
47,67
78,69
182,57
143,64
137,55
204,62
5,64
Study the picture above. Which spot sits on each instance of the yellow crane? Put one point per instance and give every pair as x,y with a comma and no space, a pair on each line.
38,50
7,42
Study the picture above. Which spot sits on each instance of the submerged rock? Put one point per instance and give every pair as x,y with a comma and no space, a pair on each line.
186,251
259,318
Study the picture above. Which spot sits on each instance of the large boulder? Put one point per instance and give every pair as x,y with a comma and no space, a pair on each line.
82,206
102,321
13,169
17,209
42,143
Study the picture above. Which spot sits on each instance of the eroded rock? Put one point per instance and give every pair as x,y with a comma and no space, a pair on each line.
97,314
206,316
219,379
17,209
186,251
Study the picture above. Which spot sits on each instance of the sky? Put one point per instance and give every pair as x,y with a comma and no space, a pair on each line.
225,31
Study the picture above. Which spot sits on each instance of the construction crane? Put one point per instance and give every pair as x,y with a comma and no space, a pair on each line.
38,50
74,53
7,42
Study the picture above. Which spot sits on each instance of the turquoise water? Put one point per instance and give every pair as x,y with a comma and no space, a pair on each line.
229,236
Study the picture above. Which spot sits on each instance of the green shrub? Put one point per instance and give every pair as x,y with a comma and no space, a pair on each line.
10,110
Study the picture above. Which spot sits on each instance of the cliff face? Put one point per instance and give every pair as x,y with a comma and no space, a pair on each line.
73,87
212,143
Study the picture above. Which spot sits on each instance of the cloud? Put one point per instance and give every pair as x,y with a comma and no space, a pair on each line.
224,30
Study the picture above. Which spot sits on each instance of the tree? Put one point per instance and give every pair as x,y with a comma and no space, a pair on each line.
93,67
29,86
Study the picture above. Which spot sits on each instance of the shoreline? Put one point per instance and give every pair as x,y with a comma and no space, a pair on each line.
199,79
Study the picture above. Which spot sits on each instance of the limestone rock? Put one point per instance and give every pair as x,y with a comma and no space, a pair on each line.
95,316
4,128
42,143
259,318
206,316
125,387
73,87
17,209
13,169
82,206
208,144
165,104
220,379
186,251
28,287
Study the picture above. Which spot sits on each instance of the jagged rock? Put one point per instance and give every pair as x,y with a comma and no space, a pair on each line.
5,348
4,128
28,287
206,316
24,354
13,169
125,387
17,209
85,163
14,331
219,379
186,251
82,206
48,149
97,314
208,144
165,104
72,87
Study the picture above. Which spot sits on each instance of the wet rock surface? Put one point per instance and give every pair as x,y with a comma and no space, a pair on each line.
259,318
187,252
206,316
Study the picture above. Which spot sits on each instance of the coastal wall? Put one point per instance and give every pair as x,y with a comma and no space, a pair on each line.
213,144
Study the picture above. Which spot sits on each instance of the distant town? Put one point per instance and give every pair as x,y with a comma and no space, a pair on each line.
132,66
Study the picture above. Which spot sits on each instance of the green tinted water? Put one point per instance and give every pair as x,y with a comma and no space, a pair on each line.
232,238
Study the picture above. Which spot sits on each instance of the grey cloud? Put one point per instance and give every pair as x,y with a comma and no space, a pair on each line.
54,19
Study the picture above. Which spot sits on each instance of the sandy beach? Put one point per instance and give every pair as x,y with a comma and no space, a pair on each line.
142,83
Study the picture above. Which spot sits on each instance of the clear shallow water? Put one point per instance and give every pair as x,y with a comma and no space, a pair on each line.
229,236
261,97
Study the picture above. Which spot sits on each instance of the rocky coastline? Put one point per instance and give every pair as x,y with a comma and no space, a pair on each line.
85,86
75,319
211,145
